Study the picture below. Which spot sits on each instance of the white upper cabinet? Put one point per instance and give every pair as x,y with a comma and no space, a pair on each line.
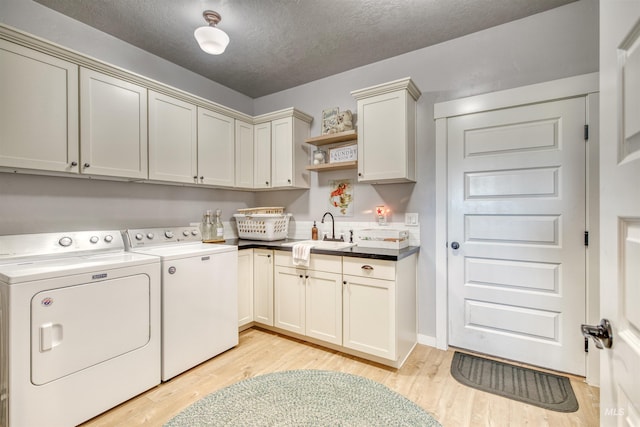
38,110
289,154
173,145
63,112
262,155
244,154
113,126
387,132
216,148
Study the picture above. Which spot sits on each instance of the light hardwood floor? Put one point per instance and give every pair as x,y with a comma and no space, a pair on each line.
424,379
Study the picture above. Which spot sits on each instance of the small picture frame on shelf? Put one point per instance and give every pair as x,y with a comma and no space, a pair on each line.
344,153
329,119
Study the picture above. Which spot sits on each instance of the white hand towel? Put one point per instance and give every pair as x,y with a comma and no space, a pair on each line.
301,253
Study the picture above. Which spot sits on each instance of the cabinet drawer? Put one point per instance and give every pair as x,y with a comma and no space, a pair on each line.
366,267
317,262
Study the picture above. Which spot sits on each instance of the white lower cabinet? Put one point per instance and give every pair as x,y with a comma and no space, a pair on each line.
263,286
308,301
361,306
379,307
245,287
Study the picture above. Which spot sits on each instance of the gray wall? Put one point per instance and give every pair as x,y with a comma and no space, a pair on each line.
559,43
555,44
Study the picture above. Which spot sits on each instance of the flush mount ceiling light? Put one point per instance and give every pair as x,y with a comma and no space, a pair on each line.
210,38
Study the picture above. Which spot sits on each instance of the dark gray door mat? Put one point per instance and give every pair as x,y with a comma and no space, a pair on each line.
537,388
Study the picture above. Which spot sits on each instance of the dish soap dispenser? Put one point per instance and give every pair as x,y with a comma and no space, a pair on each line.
314,232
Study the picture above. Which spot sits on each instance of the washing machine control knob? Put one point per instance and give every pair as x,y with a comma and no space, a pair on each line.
150,236
139,236
65,241
168,234
94,239
108,238
185,233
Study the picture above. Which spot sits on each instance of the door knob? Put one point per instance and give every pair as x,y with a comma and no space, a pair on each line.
455,245
602,335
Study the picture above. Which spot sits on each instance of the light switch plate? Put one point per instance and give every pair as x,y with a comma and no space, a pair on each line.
411,219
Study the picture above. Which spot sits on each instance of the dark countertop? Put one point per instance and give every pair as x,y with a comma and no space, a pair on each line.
354,251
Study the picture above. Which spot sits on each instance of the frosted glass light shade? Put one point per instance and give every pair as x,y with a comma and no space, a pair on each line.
211,39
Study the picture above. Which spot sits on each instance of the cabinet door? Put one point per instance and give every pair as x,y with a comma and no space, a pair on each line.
172,139
38,110
262,155
245,287
369,316
216,148
289,298
244,154
263,286
324,306
113,126
282,152
386,149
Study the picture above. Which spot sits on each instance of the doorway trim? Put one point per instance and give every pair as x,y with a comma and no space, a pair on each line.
583,85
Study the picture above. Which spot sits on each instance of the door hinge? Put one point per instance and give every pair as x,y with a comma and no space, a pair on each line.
586,345
586,132
586,238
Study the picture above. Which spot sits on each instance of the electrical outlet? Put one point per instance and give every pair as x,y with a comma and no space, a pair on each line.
411,219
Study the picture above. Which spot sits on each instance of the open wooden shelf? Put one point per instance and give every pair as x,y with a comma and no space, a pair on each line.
333,166
332,138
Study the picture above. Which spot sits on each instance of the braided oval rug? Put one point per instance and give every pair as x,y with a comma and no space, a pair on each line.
304,398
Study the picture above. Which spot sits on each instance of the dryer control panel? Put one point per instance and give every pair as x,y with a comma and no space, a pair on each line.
60,243
146,237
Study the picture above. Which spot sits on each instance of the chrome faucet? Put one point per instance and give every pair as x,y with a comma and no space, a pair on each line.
333,229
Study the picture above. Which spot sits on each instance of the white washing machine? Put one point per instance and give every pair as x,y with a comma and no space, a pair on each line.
199,294
79,326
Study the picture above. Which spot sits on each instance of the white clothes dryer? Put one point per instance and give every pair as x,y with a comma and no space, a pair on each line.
199,294
79,326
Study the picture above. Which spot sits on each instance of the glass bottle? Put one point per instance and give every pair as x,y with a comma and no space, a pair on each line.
218,227
207,229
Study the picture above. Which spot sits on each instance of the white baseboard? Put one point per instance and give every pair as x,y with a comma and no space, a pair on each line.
427,340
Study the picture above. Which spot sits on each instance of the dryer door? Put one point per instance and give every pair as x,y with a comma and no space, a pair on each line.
76,327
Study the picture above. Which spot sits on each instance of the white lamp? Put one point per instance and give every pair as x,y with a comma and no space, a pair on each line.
211,39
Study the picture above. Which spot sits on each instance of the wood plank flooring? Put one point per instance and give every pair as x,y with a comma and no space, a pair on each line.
424,379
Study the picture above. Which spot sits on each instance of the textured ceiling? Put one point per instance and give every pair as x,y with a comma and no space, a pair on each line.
279,44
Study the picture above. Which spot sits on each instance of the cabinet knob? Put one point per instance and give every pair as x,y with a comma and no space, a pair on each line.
367,267
359,174
202,178
455,245
266,182
289,181
86,165
195,177
301,276
74,163
344,282
306,276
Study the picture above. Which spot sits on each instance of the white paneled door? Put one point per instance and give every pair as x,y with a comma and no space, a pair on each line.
620,210
516,261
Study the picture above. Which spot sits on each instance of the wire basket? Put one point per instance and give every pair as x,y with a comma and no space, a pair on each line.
262,210
262,226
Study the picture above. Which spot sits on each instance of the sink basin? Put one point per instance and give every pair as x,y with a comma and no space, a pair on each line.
323,244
